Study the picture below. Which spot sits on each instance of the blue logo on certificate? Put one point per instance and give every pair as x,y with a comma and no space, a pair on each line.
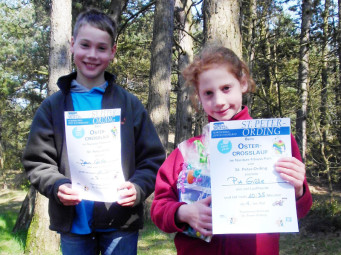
224,146
78,132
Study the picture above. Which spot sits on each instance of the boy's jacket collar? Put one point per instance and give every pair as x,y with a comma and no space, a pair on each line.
64,82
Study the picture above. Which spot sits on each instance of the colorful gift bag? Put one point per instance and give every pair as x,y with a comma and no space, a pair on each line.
194,181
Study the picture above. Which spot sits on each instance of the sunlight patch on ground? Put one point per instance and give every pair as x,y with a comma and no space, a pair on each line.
7,195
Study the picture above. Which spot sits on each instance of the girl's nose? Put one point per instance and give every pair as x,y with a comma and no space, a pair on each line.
220,99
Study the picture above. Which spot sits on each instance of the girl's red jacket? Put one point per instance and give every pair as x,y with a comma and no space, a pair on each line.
166,203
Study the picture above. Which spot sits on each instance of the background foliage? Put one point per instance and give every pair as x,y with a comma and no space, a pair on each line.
24,28
271,45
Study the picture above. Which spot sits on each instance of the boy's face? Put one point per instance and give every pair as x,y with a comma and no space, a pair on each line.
93,51
220,92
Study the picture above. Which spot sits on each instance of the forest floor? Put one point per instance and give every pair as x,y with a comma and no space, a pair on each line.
320,230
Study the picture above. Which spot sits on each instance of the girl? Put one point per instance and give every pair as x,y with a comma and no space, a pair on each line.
219,79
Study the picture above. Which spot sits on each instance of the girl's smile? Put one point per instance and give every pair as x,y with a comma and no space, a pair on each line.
220,92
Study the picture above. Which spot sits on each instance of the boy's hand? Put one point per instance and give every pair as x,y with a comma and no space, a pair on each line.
198,215
67,195
293,171
127,193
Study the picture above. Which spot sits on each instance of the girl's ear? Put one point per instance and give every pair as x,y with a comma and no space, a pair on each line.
244,85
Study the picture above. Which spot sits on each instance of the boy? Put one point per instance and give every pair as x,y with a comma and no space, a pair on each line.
89,227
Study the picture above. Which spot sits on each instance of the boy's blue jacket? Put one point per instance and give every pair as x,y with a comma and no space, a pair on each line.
46,162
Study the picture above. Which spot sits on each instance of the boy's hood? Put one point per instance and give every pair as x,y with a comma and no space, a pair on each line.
64,82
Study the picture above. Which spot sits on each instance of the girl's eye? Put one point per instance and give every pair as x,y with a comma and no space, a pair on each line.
226,88
84,45
208,93
102,48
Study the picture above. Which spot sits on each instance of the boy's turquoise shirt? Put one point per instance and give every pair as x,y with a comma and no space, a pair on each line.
85,99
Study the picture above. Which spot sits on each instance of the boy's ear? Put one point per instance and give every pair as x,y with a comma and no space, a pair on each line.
113,51
72,44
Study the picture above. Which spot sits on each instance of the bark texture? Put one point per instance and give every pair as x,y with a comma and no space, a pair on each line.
183,129
303,78
222,24
60,55
160,70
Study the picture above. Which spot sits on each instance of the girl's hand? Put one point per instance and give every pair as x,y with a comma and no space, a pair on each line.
198,215
67,195
127,193
293,171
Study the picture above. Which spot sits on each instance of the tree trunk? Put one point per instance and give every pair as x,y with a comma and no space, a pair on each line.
324,72
275,78
40,239
267,82
249,20
338,90
60,55
324,124
26,211
160,69
183,129
116,9
222,24
303,78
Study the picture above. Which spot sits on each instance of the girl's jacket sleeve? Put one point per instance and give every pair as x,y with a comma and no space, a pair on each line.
303,204
166,198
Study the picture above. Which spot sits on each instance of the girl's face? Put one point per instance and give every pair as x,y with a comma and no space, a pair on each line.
220,92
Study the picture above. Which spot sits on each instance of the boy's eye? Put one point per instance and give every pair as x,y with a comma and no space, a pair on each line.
85,45
226,88
102,48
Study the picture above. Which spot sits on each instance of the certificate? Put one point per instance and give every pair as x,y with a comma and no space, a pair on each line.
93,141
248,195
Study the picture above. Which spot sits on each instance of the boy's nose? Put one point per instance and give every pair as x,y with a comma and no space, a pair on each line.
92,52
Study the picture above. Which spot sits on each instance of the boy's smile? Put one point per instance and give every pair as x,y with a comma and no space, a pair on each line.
93,51
220,92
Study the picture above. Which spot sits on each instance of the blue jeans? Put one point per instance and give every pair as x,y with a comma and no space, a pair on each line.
104,243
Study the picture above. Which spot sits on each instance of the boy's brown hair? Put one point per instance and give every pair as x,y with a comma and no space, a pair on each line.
98,20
